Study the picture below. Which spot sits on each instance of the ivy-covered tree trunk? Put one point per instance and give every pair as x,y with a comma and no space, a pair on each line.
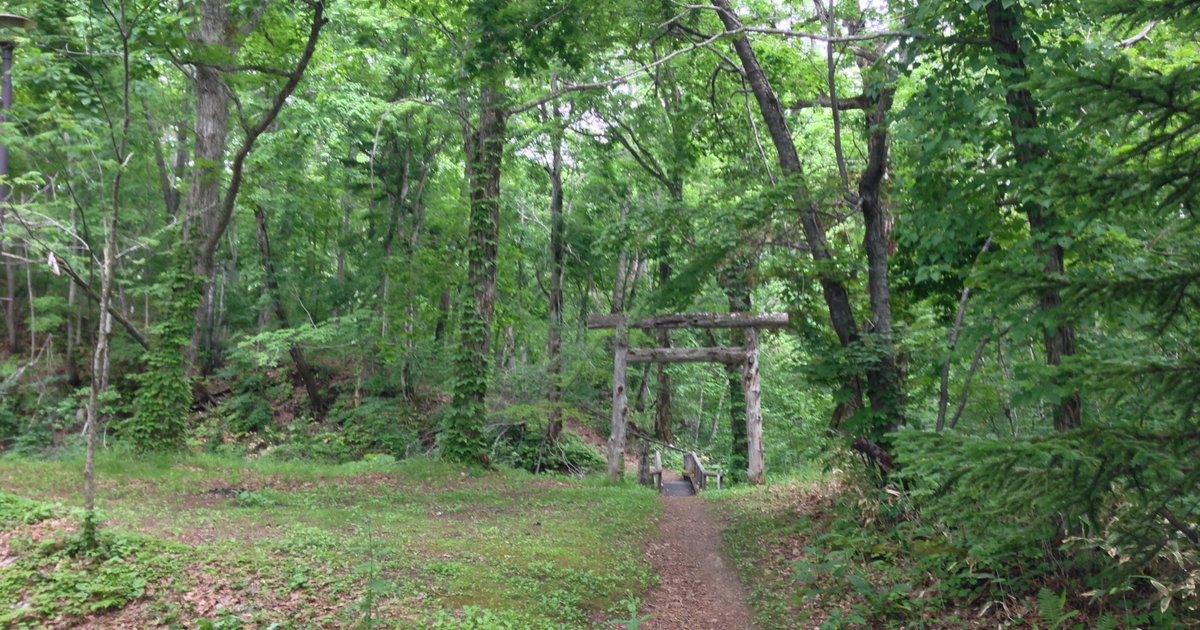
1030,150
662,397
164,398
463,438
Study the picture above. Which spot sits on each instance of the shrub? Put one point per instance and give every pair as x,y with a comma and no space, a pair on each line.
378,425
521,443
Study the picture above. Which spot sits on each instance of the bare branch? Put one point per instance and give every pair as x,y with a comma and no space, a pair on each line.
843,104
838,152
1144,34
625,78
953,342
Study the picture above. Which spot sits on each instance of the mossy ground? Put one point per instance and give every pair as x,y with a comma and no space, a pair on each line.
205,541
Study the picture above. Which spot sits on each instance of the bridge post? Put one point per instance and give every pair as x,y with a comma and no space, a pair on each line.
620,406
756,471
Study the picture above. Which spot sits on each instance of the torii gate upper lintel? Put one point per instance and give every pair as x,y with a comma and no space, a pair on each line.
746,356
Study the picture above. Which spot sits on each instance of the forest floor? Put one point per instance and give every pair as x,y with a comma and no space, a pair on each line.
699,587
411,544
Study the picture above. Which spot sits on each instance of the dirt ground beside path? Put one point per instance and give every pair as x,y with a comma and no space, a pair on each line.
699,587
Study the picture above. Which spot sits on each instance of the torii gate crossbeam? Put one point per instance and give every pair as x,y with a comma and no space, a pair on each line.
746,356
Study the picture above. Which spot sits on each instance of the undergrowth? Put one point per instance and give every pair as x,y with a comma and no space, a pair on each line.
56,576
846,552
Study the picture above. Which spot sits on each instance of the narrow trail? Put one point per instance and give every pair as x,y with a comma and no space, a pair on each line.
699,587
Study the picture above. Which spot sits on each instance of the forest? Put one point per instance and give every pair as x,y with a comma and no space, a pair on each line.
359,313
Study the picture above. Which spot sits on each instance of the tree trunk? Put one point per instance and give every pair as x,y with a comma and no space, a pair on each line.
756,468
315,400
10,304
212,121
464,439
439,329
1029,150
620,408
837,298
883,379
100,362
415,226
100,356
204,193
557,268
166,184
643,448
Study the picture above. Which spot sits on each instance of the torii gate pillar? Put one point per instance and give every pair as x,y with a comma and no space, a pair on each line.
620,407
756,471
747,356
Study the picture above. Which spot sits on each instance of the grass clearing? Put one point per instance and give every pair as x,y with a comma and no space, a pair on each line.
411,544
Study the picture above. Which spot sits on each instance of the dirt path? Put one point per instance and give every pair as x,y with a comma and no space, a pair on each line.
699,588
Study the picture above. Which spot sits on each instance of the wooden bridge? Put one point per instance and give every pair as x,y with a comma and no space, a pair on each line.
695,476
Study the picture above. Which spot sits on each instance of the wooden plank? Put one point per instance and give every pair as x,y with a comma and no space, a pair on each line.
756,470
620,408
692,320
687,355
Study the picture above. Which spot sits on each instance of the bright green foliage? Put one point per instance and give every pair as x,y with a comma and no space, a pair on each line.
1097,502
16,511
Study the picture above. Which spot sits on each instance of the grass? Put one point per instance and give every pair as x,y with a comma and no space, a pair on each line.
412,544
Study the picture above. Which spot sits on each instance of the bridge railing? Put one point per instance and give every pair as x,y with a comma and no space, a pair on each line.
694,470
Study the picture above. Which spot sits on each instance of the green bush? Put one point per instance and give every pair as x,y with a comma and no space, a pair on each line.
378,425
249,409
521,443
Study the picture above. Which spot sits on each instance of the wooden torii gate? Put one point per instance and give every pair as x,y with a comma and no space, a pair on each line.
746,356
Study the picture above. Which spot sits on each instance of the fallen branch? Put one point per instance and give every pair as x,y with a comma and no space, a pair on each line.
16,376
1183,528
876,454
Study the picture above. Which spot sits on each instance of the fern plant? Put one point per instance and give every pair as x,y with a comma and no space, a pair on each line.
1052,608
